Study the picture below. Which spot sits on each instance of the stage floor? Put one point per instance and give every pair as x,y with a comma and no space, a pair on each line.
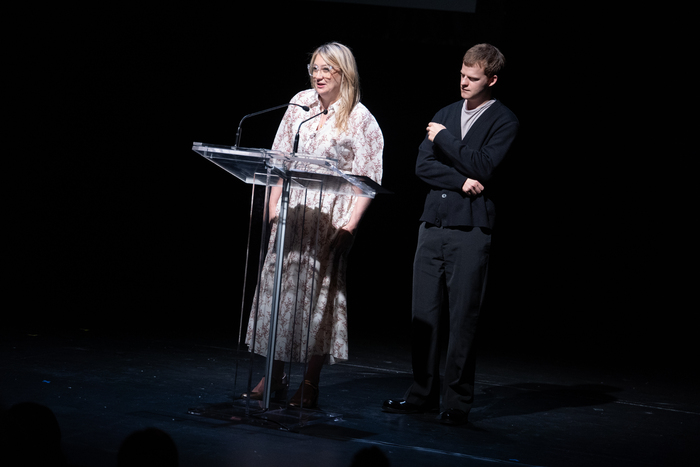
530,410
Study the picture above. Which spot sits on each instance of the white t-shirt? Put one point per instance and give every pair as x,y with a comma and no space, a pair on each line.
470,116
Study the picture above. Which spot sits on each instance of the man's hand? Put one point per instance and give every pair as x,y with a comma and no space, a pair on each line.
472,187
434,129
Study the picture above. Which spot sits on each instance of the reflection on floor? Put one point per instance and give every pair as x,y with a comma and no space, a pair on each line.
530,410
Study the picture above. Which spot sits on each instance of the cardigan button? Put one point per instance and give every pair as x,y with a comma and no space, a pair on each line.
444,195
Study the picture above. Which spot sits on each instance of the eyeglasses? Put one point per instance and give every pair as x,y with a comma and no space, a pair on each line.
325,71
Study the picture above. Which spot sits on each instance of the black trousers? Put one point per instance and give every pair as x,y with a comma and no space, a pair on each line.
449,276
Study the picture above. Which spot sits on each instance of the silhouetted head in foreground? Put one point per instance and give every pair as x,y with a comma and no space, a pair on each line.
31,436
150,447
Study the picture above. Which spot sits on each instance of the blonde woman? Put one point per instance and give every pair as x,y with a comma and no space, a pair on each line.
350,134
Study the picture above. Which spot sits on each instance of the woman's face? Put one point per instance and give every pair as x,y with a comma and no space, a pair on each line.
326,81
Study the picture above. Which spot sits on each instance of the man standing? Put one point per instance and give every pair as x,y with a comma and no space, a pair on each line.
465,144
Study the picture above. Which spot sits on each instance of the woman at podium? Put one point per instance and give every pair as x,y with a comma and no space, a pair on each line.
313,283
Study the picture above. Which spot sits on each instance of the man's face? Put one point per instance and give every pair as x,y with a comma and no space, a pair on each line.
475,85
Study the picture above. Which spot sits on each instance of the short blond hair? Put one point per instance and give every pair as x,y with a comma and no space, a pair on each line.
485,56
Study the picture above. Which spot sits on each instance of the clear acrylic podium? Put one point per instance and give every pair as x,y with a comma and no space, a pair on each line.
269,168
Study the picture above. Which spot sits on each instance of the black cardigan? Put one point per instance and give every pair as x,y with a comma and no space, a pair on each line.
446,163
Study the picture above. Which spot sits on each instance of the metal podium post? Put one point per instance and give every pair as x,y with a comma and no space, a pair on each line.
277,287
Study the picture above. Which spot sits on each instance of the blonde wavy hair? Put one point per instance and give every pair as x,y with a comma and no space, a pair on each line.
343,61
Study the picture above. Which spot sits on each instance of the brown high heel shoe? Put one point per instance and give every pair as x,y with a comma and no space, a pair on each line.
310,396
279,389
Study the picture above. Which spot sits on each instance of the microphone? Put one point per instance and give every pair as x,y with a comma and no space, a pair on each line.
238,133
296,138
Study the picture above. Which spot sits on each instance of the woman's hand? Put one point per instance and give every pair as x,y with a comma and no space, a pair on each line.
342,240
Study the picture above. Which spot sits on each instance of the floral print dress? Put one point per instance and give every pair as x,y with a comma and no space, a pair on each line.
313,281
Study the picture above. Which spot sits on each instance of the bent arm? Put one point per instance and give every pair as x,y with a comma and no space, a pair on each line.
361,205
434,171
481,163
368,148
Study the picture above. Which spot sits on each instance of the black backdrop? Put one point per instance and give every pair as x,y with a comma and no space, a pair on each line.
116,224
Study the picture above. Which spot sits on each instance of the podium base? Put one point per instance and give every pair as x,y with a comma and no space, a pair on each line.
278,415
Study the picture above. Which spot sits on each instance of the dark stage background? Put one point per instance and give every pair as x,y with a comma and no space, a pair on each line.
115,224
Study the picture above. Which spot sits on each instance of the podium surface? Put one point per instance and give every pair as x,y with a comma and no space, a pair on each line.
269,167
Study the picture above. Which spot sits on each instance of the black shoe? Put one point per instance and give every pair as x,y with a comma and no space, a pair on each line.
453,417
401,406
